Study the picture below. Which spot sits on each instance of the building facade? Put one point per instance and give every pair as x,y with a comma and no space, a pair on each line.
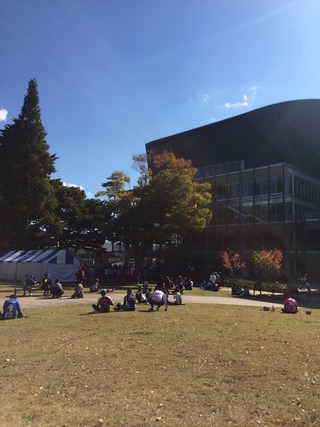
264,167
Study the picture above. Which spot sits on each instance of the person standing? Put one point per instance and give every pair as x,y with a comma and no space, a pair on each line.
46,284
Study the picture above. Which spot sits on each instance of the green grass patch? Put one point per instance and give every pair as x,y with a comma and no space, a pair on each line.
206,365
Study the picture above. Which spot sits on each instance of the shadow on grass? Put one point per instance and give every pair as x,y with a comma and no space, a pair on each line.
303,299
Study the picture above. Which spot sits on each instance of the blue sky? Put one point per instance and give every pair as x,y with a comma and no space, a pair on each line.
115,74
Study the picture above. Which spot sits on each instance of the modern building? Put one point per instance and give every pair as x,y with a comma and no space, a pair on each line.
264,167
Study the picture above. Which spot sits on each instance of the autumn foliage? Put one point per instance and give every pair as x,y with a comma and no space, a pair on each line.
232,262
267,261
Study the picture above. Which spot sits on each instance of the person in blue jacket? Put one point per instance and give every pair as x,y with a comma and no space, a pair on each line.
11,308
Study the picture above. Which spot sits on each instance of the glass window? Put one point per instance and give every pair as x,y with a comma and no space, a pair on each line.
257,187
234,190
279,184
272,185
209,170
264,186
224,168
247,188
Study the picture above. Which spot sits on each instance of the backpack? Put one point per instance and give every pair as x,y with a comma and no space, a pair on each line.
10,310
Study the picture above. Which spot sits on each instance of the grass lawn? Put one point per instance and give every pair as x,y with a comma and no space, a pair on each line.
198,364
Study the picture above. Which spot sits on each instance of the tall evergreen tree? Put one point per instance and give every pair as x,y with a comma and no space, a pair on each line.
26,192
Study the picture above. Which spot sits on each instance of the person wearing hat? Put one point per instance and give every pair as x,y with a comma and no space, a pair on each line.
12,309
104,303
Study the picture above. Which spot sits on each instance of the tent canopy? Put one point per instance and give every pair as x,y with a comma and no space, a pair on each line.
14,265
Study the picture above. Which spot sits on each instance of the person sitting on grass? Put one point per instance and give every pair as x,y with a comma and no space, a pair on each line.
104,303
139,295
158,298
236,289
129,302
290,306
177,297
78,290
11,309
148,295
95,286
246,292
56,289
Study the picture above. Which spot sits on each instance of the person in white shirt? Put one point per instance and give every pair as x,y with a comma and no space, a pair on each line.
213,278
177,297
158,298
104,303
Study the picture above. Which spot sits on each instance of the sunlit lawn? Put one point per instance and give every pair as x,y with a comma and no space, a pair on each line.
207,365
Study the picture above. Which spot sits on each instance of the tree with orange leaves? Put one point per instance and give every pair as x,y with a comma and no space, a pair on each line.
267,261
232,262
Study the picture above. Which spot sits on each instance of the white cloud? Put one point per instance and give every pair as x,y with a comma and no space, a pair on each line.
67,184
240,104
247,100
88,194
3,114
205,98
253,92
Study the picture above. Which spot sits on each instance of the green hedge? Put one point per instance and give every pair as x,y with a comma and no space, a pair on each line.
266,286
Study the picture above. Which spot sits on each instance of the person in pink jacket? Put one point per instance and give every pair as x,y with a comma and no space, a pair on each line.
290,306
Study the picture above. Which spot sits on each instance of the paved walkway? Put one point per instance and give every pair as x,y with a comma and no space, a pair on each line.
38,301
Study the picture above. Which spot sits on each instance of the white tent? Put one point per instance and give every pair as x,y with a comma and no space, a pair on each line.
14,265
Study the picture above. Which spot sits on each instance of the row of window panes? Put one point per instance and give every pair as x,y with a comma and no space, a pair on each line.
306,190
257,187
220,168
273,212
303,189
258,213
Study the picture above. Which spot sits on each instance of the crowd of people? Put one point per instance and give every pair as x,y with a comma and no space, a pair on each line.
154,297
214,282
236,289
157,297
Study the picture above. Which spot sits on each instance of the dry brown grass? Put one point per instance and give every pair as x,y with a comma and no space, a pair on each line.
206,365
